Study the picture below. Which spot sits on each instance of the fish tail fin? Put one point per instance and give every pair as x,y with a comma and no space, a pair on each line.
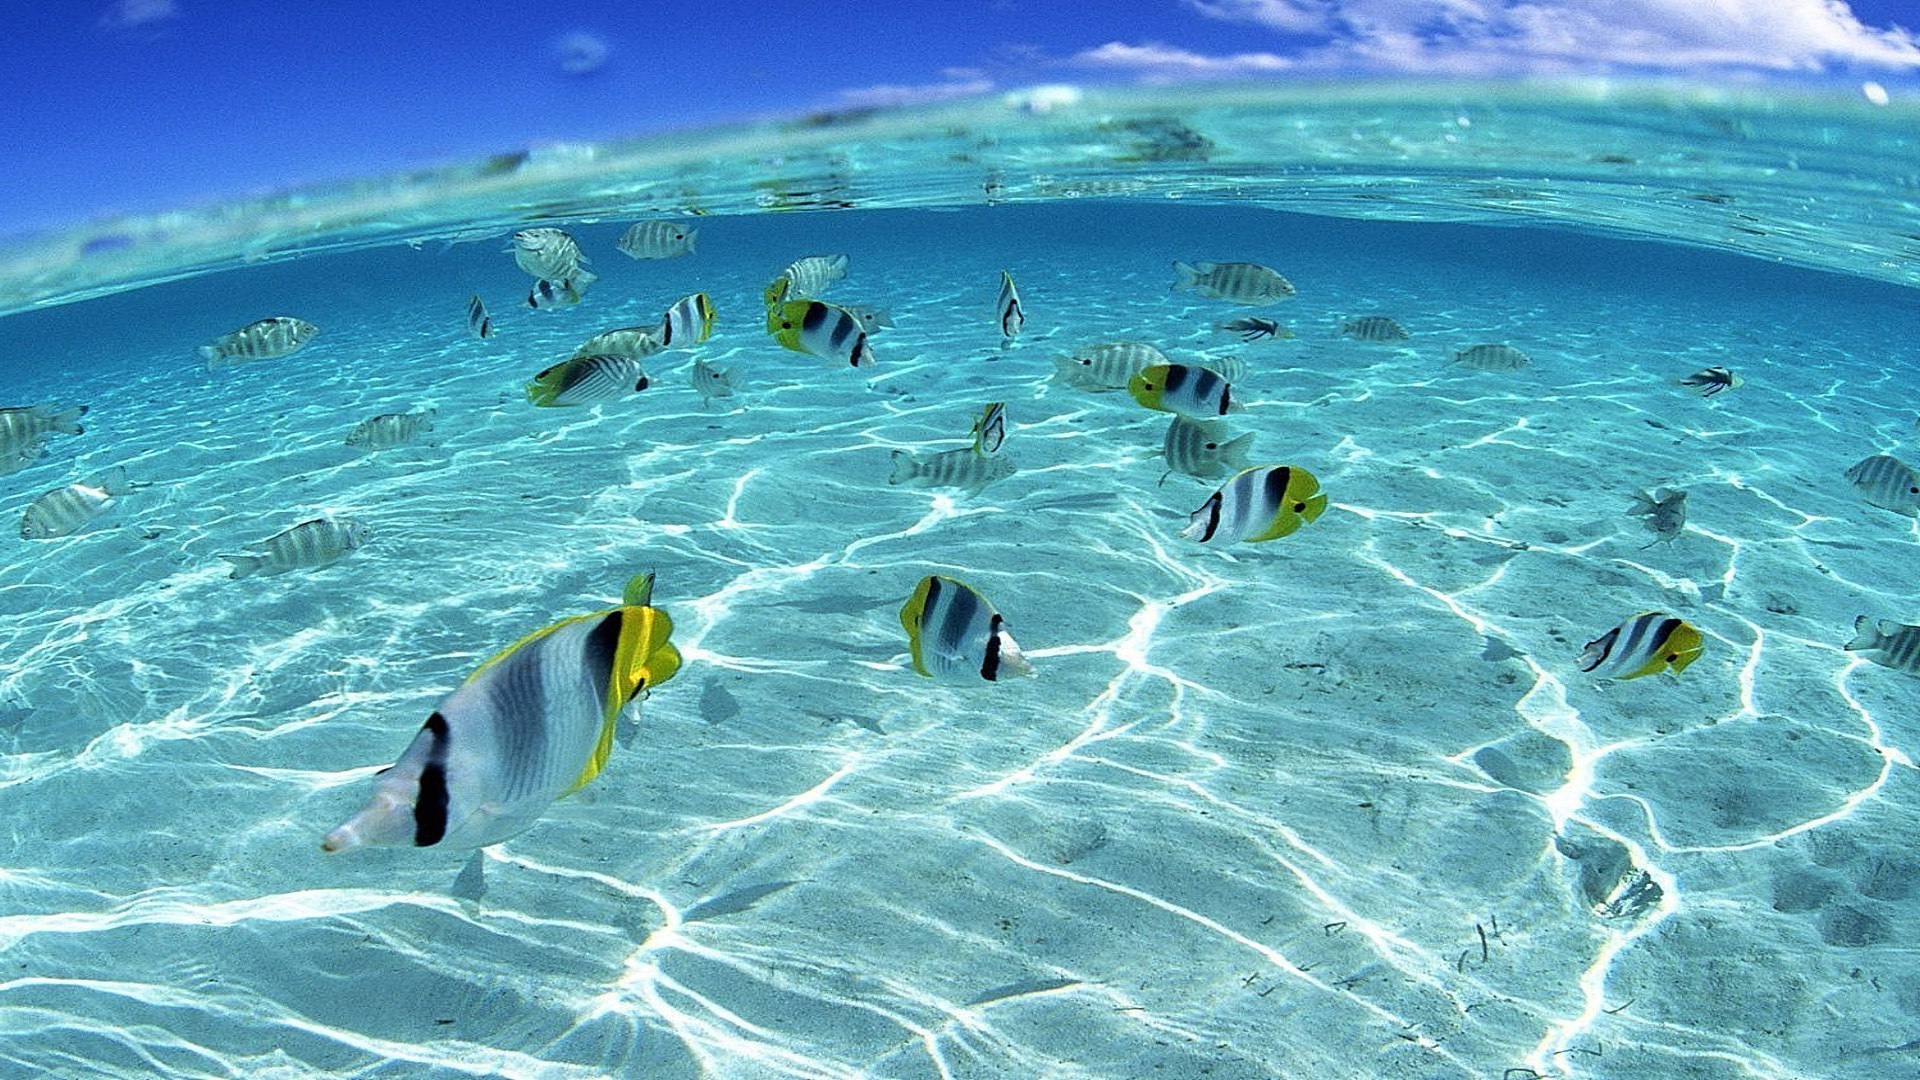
1643,503
1865,635
693,239
1186,275
905,467
67,421
114,481
1234,454
245,565
212,355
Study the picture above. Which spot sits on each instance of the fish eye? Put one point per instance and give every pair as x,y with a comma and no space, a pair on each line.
1213,446
1299,507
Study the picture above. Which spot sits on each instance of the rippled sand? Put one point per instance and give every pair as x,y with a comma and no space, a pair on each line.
1338,805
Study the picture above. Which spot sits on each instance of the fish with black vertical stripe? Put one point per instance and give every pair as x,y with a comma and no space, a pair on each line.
532,724
1649,643
1259,504
955,635
821,329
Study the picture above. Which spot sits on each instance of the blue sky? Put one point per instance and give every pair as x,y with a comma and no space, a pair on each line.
140,105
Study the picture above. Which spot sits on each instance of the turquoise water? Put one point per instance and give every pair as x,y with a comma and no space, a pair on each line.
1338,805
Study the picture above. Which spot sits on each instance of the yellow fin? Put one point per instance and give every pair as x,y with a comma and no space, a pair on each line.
639,591
911,614
643,658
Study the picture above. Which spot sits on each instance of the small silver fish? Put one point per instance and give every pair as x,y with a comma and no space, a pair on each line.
1239,282
710,381
390,429
638,342
1253,329
1007,306
1491,358
307,546
1887,482
479,323
1201,448
1109,366
268,339
1665,513
63,511
1888,643
950,468
1714,380
657,240
1374,328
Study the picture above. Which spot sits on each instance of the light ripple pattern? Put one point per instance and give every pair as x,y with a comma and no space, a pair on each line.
1341,805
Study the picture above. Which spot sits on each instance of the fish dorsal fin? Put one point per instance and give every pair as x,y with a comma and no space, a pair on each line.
911,615
643,658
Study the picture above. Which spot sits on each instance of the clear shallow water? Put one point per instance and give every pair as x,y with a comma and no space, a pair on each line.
1242,824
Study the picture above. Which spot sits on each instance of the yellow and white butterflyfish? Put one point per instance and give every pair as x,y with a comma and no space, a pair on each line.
1258,504
955,635
532,724
1646,644
1007,307
821,329
1186,389
991,429
687,323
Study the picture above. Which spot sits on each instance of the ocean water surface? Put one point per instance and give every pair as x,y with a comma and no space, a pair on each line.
1342,804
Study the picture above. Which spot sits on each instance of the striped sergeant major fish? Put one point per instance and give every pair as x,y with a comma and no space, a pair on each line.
532,724
962,468
687,323
1107,366
1201,448
1646,644
1258,504
821,329
991,429
587,380
63,511
872,319
638,342
1185,389
657,240
1241,282
22,429
479,323
954,634
268,339
1888,483
307,546
1888,643
1498,357
805,278
1374,328
552,254
1007,306
389,430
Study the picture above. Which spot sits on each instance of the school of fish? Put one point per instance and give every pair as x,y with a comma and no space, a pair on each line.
538,720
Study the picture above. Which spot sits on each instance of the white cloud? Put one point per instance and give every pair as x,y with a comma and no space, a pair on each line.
1575,35
888,95
1165,62
127,15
